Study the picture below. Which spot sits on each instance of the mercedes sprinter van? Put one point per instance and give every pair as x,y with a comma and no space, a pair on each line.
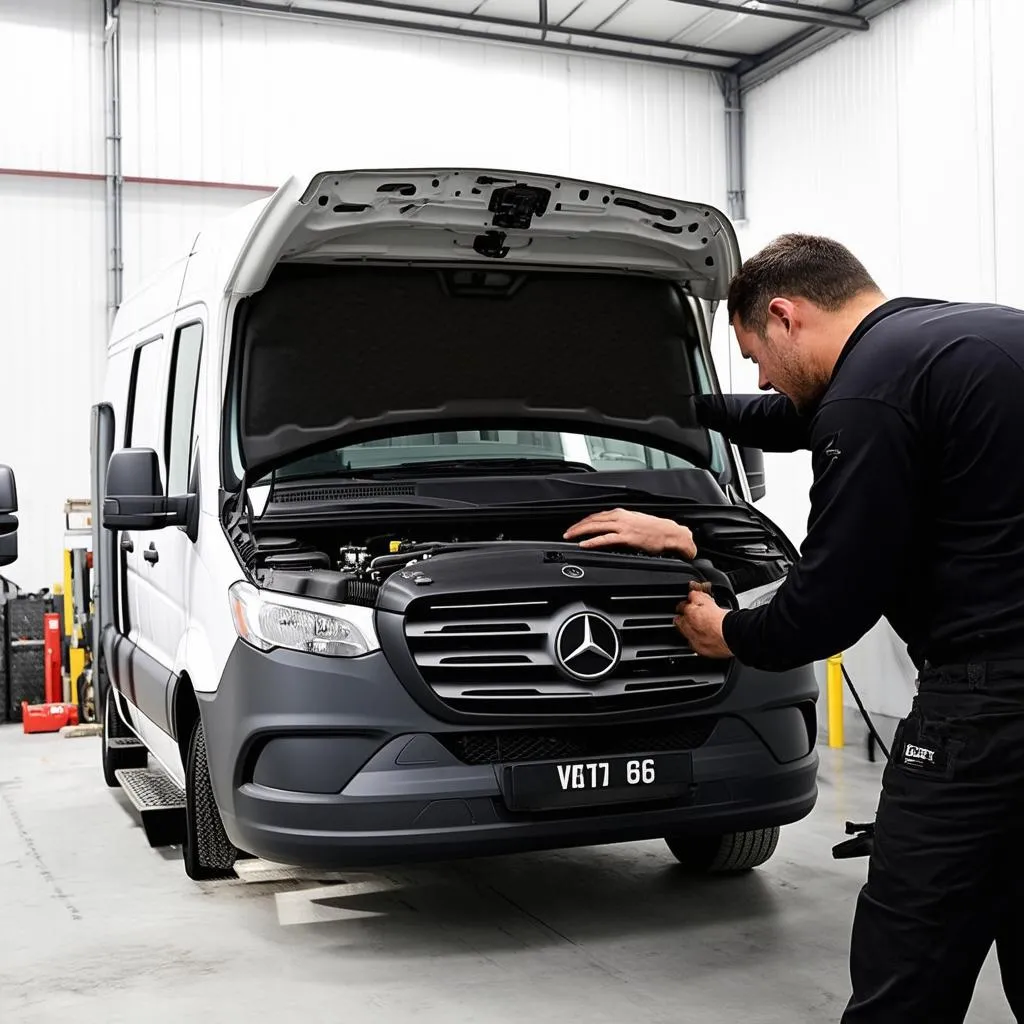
340,442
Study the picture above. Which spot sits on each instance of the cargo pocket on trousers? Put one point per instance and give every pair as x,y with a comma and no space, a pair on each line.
925,748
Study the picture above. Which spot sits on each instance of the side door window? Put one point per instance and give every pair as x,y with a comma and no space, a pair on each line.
181,408
143,418
142,428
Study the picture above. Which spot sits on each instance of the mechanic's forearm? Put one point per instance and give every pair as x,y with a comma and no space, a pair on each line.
769,422
753,641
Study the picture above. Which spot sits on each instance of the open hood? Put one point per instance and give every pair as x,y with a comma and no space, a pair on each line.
499,216
494,300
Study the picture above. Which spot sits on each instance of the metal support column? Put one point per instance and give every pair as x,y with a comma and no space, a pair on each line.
114,200
734,139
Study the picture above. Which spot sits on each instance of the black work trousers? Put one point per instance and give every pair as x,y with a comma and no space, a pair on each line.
946,878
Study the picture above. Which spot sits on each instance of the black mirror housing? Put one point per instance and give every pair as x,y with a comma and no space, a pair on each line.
753,468
135,497
8,520
8,492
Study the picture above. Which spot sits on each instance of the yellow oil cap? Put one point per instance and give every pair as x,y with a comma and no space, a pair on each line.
396,546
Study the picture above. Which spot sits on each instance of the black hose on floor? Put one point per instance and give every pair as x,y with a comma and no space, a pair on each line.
864,714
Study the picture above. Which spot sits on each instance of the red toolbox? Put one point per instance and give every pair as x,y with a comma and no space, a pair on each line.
47,717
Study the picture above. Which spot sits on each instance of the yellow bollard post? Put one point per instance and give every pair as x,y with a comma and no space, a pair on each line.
834,680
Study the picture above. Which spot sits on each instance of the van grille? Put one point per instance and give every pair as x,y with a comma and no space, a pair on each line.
555,744
495,652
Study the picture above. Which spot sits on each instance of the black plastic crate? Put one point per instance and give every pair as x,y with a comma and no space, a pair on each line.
22,671
26,676
25,616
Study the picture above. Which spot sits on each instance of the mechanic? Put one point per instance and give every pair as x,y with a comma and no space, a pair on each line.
913,410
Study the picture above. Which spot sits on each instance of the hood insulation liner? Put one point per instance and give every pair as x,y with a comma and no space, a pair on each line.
333,355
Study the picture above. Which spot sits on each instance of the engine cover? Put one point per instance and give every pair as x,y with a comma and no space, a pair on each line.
524,628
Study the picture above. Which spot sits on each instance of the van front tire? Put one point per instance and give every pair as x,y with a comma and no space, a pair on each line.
731,854
208,853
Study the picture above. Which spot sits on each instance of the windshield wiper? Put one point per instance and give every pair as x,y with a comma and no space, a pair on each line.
601,491
388,503
440,467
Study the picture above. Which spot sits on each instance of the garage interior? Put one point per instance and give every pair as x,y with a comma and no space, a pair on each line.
128,125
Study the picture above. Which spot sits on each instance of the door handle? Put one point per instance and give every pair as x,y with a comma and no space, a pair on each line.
151,555
127,544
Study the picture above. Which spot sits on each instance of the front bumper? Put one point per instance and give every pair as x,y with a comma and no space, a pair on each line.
331,763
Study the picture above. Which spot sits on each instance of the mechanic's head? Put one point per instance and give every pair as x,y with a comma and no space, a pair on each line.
793,306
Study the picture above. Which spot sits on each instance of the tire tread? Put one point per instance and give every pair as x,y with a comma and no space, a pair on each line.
732,853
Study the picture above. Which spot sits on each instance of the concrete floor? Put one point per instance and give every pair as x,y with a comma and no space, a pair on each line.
97,926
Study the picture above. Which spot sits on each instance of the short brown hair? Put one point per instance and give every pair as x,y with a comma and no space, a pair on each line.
799,266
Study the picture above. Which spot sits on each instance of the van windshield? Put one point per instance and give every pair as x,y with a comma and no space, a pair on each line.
599,453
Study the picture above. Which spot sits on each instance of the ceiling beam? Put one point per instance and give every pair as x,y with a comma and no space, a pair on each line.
543,25
293,11
786,10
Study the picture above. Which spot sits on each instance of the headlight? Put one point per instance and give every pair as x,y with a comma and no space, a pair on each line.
267,620
759,595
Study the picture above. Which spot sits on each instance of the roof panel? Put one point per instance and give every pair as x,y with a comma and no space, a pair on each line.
655,19
746,37
592,14
560,10
713,34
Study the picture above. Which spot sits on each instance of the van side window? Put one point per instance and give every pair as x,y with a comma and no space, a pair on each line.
188,346
145,397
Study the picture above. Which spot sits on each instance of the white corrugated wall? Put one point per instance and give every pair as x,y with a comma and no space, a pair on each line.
245,100
258,96
904,143
52,282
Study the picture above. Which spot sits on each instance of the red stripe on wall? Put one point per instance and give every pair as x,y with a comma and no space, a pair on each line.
129,179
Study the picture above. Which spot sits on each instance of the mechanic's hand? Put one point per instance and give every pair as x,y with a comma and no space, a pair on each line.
699,619
620,527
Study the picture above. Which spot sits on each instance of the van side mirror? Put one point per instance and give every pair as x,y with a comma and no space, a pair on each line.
753,467
135,497
8,520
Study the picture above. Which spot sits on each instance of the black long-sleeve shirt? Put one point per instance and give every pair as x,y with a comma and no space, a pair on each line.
917,505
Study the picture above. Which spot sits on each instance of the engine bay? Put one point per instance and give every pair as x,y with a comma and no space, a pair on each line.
736,551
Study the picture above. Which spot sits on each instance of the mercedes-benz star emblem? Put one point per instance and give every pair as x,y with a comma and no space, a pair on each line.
587,646
574,572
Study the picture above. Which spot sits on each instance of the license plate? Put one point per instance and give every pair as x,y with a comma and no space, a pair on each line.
607,780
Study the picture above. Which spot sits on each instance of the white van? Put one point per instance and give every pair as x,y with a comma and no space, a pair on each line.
341,440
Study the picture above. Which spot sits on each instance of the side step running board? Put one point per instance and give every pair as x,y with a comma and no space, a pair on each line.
128,752
159,803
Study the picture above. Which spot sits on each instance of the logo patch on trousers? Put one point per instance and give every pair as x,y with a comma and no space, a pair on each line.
919,754
927,760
